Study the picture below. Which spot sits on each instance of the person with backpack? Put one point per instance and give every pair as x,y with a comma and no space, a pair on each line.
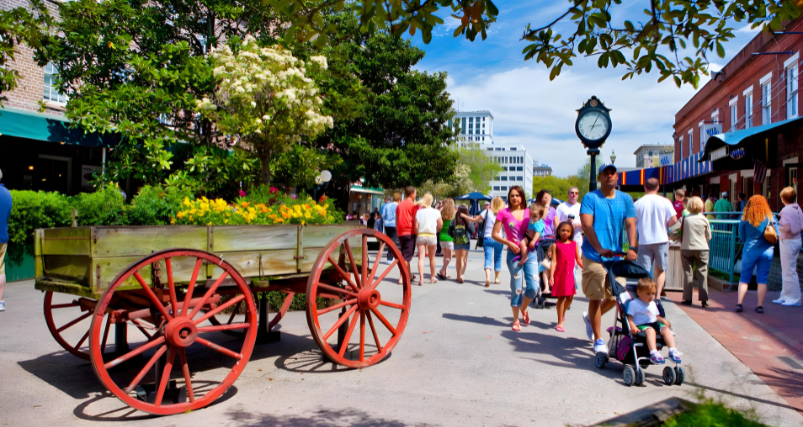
791,224
461,234
759,233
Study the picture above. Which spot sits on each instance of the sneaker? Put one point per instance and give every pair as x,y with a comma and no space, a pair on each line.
600,347
3,305
589,329
791,304
778,301
657,359
674,356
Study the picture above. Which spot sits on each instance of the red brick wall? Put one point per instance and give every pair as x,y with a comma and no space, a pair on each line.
29,89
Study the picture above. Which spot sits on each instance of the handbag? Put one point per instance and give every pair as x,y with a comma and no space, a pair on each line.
769,233
481,233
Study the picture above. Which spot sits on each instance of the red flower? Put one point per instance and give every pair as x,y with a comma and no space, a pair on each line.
274,190
242,193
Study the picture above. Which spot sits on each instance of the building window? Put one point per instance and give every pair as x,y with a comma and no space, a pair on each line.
496,188
734,117
51,92
681,148
691,144
520,168
519,178
766,107
791,91
512,148
504,188
748,111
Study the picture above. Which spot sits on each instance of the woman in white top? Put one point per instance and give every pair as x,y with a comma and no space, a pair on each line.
427,223
790,225
493,249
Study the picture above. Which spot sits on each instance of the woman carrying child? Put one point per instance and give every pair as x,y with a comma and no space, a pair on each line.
565,252
643,315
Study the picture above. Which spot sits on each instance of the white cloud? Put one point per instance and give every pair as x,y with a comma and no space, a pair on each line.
531,110
748,29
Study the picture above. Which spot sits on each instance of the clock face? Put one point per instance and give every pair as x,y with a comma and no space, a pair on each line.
594,125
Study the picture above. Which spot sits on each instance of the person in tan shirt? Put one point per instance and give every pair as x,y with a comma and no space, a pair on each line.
695,235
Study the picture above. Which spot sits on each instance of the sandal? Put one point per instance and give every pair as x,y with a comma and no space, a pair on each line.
525,316
560,329
459,280
739,308
760,309
440,276
516,326
487,284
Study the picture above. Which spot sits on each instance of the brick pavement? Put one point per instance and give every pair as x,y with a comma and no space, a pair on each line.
770,344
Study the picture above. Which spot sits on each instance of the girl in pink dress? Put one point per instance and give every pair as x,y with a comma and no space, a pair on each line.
564,252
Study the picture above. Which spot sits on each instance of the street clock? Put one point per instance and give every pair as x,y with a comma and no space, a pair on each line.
593,125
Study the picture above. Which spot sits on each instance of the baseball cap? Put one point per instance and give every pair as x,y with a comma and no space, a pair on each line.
606,166
724,194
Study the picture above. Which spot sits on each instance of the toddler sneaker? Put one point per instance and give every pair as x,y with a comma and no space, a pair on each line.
589,329
600,347
656,358
674,356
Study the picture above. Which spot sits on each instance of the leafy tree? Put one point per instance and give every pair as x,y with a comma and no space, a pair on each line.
299,166
17,26
482,169
596,28
264,99
557,187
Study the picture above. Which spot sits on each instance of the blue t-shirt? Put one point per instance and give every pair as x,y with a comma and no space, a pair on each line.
388,212
538,226
5,213
609,220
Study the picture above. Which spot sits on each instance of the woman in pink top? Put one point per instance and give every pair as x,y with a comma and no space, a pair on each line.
790,226
515,219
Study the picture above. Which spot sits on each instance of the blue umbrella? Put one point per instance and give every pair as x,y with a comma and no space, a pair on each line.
474,197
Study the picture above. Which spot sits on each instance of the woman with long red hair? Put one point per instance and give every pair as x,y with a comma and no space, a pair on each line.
757,251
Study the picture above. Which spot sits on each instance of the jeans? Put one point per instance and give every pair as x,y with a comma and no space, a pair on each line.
529,288
493,254
790,293
391,232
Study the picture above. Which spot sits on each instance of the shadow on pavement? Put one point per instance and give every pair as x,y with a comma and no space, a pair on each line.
321,417
484,320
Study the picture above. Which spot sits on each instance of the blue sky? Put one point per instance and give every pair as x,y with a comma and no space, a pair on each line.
531,110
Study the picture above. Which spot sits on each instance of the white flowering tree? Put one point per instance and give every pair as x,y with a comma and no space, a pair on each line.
265,99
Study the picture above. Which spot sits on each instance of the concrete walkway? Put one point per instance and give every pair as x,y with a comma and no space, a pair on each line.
458,363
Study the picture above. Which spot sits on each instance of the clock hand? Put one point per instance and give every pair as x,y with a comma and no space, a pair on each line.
595,123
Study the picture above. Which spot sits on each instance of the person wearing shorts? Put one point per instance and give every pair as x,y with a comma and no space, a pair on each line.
5,213
655,214
603,214
405,213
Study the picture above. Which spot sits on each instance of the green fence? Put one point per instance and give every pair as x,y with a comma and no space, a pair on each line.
722,252
19,263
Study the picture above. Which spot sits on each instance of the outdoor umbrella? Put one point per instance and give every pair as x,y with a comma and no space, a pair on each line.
474,198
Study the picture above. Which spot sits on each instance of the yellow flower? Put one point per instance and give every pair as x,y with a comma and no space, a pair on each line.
172,220
245,204
181,215
226,221
278,220
186,201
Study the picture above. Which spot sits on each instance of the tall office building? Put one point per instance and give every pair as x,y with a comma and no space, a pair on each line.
475,127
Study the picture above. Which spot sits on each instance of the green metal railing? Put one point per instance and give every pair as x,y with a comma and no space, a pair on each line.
722,246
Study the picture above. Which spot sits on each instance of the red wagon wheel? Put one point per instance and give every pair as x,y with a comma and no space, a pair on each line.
182,334
236,314
73,320
367,298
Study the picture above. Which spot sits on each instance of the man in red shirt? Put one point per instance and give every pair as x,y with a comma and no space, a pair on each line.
678,204
405,213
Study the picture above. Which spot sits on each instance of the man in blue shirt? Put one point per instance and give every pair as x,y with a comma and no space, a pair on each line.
603,214
5,212
388,212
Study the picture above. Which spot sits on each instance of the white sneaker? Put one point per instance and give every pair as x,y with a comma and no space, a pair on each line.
778,301
589,329
600,347
791,304
3,305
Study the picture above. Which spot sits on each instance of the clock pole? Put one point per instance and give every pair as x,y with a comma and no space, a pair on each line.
592,182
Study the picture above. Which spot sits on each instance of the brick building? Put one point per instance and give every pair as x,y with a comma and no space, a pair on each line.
747,114
38,150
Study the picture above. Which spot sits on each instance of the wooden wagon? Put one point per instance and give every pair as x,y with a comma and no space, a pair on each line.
176,295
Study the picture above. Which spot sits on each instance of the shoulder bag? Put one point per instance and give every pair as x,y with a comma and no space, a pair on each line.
769,233
481,233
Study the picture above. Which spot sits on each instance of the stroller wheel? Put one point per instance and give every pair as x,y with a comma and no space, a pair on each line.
629,375
600,359
669,375
639,376
680,375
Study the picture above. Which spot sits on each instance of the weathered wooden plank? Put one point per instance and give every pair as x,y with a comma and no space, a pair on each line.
64,288
66,232
74,269
73,246
111,267
141,241
238,238
318,236
247,263
37,252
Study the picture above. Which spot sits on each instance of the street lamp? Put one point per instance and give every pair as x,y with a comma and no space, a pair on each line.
613,156
323,178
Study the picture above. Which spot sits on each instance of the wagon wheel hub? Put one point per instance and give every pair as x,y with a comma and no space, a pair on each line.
368,299
181,332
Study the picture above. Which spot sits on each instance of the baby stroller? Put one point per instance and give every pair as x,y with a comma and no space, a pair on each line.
541,250
624,345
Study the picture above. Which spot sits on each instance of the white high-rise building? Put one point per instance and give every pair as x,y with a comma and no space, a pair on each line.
476,130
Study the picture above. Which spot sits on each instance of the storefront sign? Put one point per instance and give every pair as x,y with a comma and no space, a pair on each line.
737,153
719,153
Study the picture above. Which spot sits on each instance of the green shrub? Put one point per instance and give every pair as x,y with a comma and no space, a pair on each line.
36,209
713,414
155,205
103,207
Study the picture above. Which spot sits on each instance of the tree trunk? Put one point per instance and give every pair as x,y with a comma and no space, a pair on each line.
264,174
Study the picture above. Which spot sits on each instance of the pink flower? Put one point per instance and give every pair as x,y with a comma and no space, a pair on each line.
293,196
274,190
242,193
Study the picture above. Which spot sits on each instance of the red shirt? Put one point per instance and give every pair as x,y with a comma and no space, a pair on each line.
678,205
405,213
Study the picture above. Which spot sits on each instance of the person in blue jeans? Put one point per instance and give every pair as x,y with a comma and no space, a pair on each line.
388,212
492,248
757,251
523,278
5,213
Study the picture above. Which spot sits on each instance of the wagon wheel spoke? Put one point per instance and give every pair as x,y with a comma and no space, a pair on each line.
365,259
67,305
218,348
392,304
376,266
351,262
384,321
345,276
141,328
234,312
81,341
362,335
74,321
145,369
208,295
135,352
384,274
106,333
191,287
347,338
152,296
340,321
185,369
220,308
376,337
170,284
171,357
335,290
218,328
336,306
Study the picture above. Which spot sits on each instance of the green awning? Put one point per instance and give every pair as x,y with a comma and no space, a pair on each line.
46,127
368,190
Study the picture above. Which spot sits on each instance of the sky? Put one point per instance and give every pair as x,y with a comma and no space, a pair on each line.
539,114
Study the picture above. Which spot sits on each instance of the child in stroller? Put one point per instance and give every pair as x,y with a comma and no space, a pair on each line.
643,315
628,344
